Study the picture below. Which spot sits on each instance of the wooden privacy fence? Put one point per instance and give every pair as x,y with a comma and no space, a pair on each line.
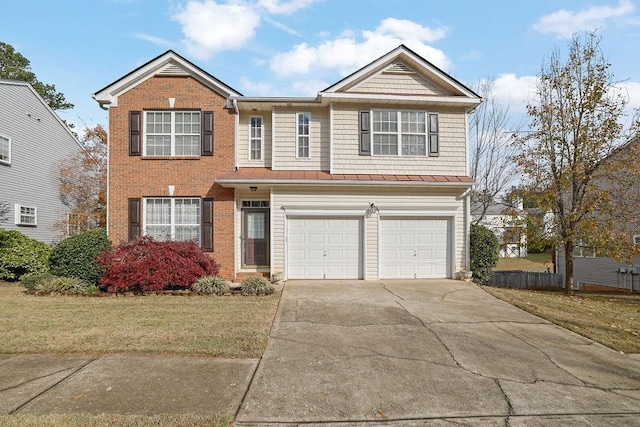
525,280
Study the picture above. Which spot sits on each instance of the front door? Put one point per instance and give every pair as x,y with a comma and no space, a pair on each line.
255,237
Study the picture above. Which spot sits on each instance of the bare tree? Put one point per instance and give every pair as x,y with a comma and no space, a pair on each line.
492,149
575,162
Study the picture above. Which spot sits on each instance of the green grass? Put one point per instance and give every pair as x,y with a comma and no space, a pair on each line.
610,320
228,326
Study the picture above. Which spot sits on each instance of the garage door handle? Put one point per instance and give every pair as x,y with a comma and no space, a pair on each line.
324,253
415,253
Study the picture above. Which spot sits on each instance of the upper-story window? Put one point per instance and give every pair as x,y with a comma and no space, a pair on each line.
172,133
255,138
5,150
303,133
406,133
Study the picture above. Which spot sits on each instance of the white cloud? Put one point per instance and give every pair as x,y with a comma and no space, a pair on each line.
632,91
517,92
307,87
564,23
281,26
153,39
210,27
349,52
284,7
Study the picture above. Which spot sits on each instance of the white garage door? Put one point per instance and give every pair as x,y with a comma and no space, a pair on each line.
324,248
414,248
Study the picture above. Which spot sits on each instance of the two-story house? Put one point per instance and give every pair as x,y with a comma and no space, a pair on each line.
33,144
366,180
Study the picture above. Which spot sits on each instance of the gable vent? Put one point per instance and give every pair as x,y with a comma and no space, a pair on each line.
172,70
399,67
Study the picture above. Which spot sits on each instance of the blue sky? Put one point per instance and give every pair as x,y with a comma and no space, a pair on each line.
298,47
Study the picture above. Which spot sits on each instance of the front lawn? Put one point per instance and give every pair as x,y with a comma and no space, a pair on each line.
610,320
228,326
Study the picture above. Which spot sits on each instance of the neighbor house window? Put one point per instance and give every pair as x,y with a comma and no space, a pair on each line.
26,215
172,219
582,251
302,134
5,150
172,133
403,133
255,138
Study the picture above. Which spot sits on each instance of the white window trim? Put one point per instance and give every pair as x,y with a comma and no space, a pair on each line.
173,216
298,114
8,161
399,133
173,132
261,139
18,216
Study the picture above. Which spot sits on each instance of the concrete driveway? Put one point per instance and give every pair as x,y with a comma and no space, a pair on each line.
430,352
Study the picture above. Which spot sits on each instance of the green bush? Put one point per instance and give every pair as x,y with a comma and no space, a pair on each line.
211,285
76,256
32,281
48,283
20,255
256,286
484,252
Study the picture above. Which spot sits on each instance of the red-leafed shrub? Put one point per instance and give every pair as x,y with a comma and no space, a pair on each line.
147,265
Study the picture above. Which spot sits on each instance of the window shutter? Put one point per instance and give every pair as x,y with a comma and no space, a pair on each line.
135,124
434,142
207,225
134,219
365,133
207,133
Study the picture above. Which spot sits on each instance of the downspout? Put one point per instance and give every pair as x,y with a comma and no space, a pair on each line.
235,133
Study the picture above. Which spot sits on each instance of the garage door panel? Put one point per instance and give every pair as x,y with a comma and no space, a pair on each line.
331,247
414,248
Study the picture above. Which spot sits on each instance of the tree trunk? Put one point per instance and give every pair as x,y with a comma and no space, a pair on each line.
568,267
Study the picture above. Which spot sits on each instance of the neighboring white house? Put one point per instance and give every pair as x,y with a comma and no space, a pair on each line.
507,223
33,144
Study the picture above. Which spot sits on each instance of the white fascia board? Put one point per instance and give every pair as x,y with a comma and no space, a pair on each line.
109,95
324,211
403,99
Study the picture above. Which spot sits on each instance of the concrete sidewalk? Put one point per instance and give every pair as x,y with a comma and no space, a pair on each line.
142,385
351,353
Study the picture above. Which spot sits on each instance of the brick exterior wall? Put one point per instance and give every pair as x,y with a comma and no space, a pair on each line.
136,176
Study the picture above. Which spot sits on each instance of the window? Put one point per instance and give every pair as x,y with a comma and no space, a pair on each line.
173,219
5,150
255,138
26,215
403,133
583,251
172,133
302,134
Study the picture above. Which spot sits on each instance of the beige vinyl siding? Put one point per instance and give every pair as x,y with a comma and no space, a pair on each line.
284,140
243,139
451,160
416,202
397,84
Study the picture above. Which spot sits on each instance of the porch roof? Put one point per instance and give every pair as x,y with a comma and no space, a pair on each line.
246,176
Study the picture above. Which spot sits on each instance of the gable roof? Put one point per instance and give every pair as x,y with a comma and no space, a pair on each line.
7,82
168,63
402,59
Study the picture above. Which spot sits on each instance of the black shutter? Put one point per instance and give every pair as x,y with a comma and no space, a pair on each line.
207,225
434,143
134,219
365,133
135,124
207,133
